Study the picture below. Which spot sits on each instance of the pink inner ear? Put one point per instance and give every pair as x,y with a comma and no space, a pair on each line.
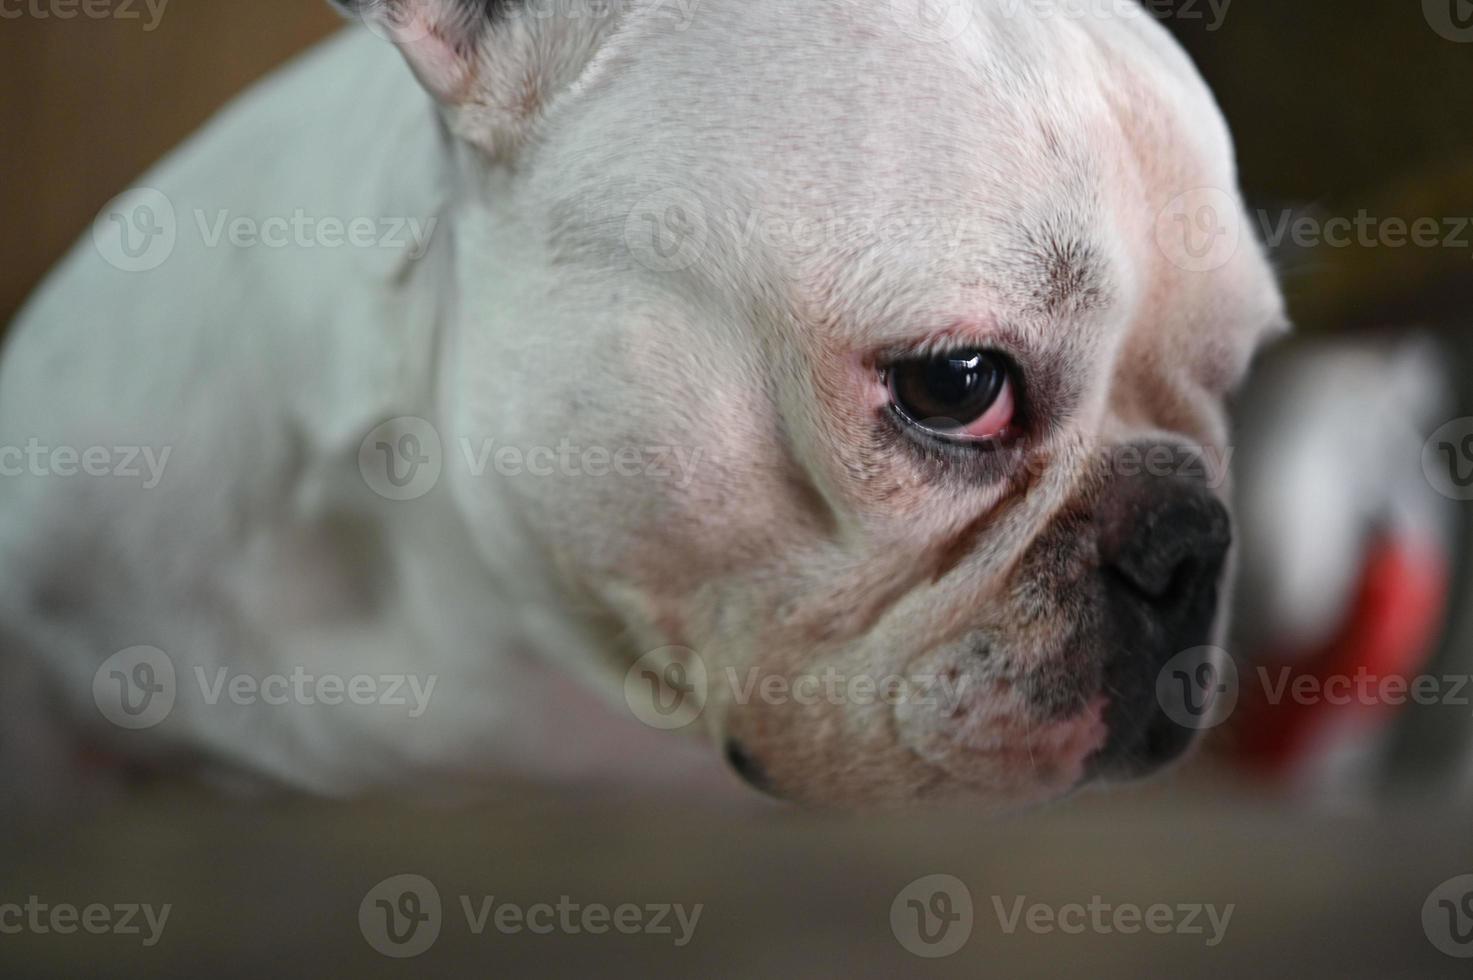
435,59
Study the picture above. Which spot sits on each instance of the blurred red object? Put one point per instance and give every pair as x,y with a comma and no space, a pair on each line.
1297,703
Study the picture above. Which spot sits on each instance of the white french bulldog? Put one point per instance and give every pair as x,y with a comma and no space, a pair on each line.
752,354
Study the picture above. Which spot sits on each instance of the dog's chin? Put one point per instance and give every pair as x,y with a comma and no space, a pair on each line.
1008,760
993,764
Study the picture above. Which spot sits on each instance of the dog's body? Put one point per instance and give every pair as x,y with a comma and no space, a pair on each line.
794,532
262,548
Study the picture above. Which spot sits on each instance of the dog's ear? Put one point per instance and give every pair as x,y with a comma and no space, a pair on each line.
492,64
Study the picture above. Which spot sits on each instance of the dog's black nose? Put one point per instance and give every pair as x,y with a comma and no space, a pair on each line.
1163,542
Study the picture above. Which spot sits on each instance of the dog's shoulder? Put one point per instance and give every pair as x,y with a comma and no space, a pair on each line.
216,347
246,262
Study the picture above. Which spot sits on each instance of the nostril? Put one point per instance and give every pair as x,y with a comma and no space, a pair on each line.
1166,551
1162,583
745,766
1186,578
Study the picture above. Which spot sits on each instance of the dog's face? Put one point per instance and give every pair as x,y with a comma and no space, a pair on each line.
921,306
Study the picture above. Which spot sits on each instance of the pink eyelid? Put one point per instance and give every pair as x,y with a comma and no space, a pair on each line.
996,421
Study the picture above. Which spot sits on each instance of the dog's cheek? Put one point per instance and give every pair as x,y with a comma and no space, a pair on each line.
828,754
674,548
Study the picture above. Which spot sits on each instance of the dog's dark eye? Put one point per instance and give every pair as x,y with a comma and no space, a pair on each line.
964,395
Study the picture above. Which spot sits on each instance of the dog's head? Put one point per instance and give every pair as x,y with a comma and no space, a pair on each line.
889,343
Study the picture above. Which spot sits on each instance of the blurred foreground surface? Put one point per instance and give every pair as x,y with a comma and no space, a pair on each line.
276,890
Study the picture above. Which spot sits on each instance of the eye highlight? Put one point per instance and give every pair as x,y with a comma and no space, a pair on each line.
964,396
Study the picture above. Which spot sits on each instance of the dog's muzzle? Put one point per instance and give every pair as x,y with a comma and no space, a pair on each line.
1164,544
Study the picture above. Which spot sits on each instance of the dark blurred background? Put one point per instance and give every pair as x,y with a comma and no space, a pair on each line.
89,103
1343,106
